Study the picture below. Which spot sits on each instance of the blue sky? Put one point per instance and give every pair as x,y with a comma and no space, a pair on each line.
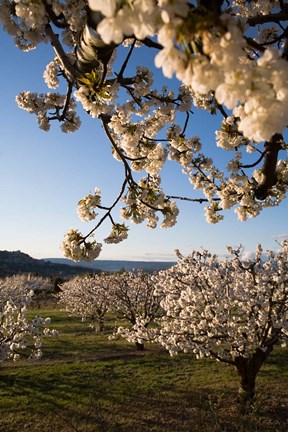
43,176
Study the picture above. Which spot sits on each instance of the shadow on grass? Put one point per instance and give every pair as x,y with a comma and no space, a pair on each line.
86,383
147,393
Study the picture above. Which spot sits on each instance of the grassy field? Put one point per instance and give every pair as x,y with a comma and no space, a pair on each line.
85,383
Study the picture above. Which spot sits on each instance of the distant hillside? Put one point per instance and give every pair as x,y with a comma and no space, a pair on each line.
115,265
18,262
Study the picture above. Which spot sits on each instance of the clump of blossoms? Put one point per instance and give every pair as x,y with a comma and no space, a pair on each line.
233,310
51,72
86,206
119,233
144,201
248,88
42,103
20,335
96,99
228,137
230,58
78,248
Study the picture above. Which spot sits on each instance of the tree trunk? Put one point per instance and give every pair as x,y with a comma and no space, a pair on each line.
139,346
101,324
247,375
248,369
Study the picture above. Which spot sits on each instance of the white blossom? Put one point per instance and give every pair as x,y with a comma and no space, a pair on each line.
77,248
86,206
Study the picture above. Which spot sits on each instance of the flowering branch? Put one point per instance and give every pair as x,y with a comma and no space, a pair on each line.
221,69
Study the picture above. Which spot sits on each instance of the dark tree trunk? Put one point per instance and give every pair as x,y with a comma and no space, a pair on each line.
139,346
247,369
247,375
269,174
101,324
213,6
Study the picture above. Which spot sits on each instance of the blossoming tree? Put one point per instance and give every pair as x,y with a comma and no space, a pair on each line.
230,58
17,285
128,296
230,310
18,333
134,299
88,297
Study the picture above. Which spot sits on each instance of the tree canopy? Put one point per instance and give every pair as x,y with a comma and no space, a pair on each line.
229,58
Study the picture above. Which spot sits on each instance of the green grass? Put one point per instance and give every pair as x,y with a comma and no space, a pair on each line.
85,383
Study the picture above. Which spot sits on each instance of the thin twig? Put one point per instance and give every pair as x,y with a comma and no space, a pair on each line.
255,163
108,213
198,200
122,70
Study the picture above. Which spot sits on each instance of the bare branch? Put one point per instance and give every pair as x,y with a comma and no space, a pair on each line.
120,75
262,19
198,200
255,163
151,44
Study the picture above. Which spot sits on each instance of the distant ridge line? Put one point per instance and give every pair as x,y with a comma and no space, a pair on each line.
17,262
116,265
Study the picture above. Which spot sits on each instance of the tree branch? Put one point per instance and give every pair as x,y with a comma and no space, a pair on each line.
271,150
151,44
198,200
124,65
262,19
255,163
70,72
108,213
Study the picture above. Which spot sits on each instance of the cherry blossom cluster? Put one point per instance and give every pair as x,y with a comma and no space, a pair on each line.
230,58
43,103
86,207
118,233
27,20
18,334
99,102
145,201
51,73
78,248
